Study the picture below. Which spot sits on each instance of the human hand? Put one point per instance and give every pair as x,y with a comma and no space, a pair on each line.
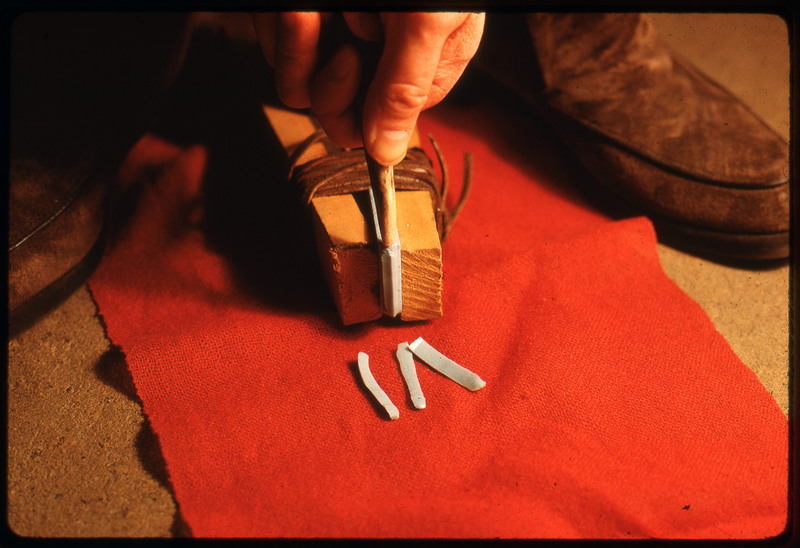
423,56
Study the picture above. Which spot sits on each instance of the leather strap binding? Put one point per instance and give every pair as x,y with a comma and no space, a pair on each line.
344,171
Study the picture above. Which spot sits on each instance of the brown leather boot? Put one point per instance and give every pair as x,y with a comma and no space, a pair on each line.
713,178
83,88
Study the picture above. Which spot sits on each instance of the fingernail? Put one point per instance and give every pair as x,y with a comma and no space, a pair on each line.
389,147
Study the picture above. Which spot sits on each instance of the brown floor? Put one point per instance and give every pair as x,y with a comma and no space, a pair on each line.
83,462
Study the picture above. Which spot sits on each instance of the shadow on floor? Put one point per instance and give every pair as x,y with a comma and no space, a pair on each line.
253,216
112,370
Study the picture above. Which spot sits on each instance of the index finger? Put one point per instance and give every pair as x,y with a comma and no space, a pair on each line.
296,56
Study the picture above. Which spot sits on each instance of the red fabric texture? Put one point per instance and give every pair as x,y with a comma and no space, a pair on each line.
613,408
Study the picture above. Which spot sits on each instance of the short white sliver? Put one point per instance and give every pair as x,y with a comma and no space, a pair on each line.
372,386
409,371
445,365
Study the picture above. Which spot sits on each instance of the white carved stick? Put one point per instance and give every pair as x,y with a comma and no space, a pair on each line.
372,386
446,366
409,370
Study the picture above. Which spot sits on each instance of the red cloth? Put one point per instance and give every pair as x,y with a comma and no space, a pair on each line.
613,408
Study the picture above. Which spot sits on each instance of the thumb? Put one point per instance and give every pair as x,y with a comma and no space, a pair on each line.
400,89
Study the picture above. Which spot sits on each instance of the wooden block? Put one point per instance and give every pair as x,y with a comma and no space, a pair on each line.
347,245
421,257
348,257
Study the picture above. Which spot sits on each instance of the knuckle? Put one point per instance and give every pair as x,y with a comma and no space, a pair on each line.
438,92
405,100
290,54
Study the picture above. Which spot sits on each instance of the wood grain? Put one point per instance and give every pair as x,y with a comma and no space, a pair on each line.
347,245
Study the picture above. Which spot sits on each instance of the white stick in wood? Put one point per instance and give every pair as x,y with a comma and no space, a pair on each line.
446,366
391,270
372,386
389,213
409,370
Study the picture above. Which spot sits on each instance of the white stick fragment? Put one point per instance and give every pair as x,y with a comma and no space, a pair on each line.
372,386
446,366
409,370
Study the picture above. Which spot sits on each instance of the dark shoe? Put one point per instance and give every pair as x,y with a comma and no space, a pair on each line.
56,220
648,126
83,88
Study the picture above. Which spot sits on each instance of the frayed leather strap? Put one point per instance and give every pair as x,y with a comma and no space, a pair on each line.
344,171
